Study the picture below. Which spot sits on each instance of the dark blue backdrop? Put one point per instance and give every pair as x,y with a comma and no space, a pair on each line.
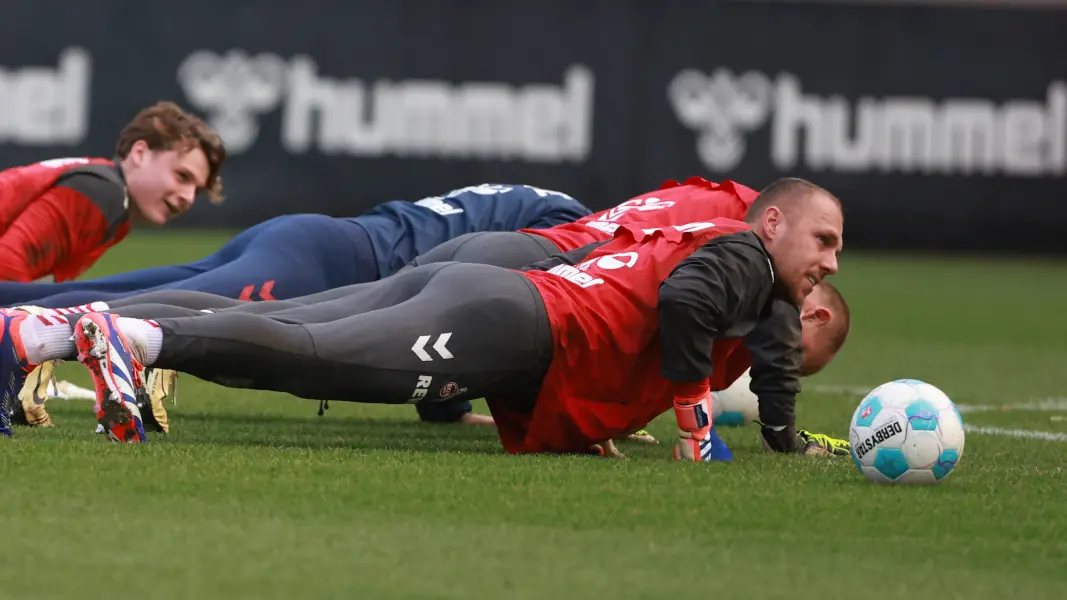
939,128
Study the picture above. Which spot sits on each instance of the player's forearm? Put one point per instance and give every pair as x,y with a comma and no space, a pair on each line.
774,346
778,421
690,315
692,411
690,318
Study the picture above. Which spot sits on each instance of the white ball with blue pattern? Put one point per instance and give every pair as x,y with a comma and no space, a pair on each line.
736,405
906,431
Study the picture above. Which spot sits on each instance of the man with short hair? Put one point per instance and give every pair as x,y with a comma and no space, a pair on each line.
57,217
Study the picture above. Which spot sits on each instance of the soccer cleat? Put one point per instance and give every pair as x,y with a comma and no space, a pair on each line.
29,410
105,351
820,443
14,366
160,384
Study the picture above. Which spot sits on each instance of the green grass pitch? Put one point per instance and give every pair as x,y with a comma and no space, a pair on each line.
255,496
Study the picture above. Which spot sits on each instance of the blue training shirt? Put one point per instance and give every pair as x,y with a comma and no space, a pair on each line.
399,230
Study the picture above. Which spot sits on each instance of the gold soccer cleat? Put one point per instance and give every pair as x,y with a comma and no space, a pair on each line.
160,384
34,393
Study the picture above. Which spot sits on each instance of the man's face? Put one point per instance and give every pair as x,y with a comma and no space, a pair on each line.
805,243
163,183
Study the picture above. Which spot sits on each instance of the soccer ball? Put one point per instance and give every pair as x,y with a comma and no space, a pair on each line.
736,405
906,431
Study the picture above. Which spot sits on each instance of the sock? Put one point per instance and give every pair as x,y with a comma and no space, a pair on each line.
47,338
76,310
145,332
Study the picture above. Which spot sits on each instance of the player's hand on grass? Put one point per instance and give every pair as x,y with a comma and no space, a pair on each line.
820,444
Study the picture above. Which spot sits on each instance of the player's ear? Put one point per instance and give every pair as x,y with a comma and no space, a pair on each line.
138,152
773,219
819,315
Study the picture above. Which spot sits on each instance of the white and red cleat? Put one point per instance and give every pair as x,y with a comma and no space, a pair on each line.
107,353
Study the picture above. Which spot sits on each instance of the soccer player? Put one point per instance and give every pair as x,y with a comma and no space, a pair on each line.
295,255
57,217
572,352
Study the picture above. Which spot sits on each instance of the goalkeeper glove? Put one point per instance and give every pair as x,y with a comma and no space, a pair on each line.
697,439
820,443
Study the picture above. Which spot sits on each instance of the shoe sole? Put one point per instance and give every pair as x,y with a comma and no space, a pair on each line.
114,413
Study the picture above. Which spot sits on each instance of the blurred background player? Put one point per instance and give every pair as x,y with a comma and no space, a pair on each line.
58,217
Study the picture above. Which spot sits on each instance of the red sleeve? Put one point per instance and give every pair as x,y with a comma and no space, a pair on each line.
60,224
